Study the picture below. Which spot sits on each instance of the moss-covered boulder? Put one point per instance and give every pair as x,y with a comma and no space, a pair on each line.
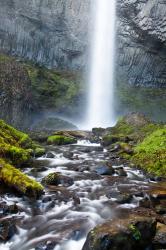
132,127
56,179
60,140
16,146
139,140
135,232
14,178
151,153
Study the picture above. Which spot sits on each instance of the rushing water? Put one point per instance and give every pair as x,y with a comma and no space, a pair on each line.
101,78
61,219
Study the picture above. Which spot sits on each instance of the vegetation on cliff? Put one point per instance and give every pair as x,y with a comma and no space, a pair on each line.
29,88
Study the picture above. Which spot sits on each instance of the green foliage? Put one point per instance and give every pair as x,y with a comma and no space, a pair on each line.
15,145
18,180
151,153
52,89
60,140
135,232
150,101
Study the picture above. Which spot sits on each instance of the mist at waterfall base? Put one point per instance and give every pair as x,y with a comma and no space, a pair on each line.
100,103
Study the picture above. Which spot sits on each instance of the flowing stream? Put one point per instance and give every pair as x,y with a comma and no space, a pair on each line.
101,76
62,217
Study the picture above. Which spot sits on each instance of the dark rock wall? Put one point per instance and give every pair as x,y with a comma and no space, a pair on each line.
51,32
141,45
15,93
55,33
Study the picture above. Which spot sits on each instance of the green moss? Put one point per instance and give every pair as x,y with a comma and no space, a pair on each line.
151,153
135,99
51,179
52,89
60,140
15,145
135,232
39,151
18,180
133,127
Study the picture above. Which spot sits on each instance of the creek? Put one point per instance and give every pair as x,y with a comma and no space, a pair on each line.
63,216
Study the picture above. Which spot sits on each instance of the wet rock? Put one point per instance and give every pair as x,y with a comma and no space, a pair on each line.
104,169
124,198
6,209
121,172
134,232
145,202
68,155
159,241
77,134
57,179
161,209
50,155
98,131
37,163
114,148
7,228
39,169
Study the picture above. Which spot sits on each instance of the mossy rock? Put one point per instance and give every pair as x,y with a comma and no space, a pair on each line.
56,179
51,179
151,153
60,140
134,232
39,151
17,146
132,127
14,178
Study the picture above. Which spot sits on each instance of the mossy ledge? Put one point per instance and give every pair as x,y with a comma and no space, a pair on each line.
16,148
151,153
140,141
14,178
60,140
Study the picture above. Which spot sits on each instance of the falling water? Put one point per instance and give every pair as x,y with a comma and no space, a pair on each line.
101,78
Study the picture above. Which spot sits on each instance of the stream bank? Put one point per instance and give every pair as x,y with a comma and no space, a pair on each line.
86,184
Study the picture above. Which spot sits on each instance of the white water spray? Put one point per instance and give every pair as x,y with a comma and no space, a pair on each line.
101,78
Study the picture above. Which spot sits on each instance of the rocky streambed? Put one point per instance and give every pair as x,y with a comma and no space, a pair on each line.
87,186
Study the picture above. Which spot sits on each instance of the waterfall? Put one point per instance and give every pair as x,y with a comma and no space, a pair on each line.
101,76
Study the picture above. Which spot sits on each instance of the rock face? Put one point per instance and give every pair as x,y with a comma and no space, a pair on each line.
55,33
52,32
15,93
141,27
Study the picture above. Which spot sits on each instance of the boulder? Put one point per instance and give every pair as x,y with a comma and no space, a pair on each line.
135,232
60,140
104,169
14,178
68,155
159,241
56,179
